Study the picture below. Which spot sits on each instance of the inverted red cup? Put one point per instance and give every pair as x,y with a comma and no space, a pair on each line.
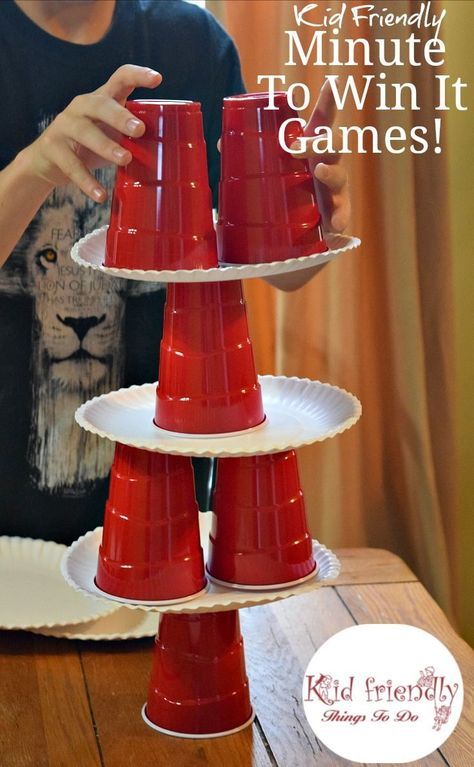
207,379
161,216
260,535
267,199
150,546
198,684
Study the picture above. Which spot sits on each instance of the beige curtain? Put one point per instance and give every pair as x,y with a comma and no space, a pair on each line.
377,322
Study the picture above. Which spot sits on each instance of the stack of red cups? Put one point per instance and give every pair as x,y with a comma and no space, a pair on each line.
150,550
267,199
161,215
161,219
260,538
198,685
207,379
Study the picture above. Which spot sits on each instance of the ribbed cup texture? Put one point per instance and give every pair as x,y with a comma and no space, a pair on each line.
260,534
207,379
267,200
150,545
161,215
198,683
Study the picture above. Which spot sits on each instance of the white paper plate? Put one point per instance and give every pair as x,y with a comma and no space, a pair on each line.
121,624
79,567
298,412
33,593
90,251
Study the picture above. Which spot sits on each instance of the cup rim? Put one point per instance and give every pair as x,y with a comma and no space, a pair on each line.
262,586
162,102
249,100
150,602
200,736
206,435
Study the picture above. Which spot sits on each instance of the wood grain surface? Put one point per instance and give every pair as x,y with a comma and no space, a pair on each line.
77,704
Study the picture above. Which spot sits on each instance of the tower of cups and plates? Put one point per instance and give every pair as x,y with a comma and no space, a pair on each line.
156,550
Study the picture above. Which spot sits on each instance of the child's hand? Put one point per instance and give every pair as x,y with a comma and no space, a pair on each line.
333,192
86,134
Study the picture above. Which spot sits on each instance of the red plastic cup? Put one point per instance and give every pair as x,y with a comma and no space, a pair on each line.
150,548
267,199
207,380
260,534
161,216
198,683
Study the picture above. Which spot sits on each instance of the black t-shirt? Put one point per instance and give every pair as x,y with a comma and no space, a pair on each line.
66,333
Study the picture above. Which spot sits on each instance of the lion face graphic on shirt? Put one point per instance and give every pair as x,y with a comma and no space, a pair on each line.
77,347
79,312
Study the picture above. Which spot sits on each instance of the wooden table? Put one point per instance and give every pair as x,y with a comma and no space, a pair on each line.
77,704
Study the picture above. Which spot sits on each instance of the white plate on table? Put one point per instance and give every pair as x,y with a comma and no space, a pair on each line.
121,624
34,594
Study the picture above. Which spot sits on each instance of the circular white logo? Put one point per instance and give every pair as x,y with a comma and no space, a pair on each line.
382,693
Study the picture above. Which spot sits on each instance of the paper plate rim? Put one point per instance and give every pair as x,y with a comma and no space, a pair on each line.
75,633
220,273
328,568
201,447
52,565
